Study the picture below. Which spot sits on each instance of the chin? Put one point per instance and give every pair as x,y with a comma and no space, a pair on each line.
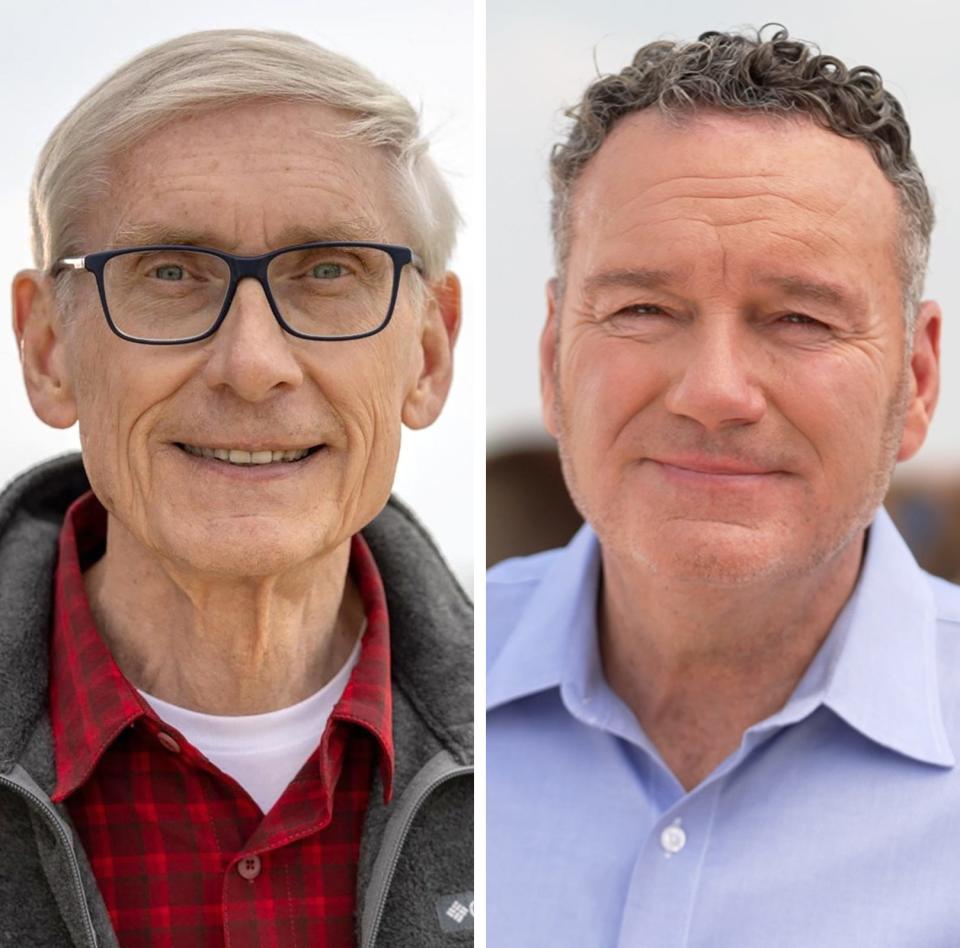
712,553
712,566
247,547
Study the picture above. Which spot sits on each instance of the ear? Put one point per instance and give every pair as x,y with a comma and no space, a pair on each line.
42,345
438,334
548,359
923,379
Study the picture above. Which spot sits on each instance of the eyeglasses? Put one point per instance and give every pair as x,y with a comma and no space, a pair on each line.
169,294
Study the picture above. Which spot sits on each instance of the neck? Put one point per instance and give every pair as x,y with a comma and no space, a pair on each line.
223,645
698,664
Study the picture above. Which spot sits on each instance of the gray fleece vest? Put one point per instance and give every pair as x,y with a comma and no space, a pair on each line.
416,857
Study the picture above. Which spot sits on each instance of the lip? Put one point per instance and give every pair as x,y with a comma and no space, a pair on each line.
251,446
278,470
719,476
720,467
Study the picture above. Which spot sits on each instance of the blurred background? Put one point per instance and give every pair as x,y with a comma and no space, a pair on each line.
541,55
54,52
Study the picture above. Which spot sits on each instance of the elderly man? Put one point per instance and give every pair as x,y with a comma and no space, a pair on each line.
236,675
727,713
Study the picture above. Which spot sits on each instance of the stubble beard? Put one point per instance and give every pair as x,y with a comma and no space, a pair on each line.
713,567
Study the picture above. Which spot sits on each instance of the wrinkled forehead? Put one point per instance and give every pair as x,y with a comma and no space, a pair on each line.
248,178
728,170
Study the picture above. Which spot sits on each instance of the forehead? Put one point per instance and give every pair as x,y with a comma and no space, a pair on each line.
741,178
248,176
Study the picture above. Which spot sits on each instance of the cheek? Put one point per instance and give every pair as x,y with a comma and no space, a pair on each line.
840,407
368,409
367,395
120,392
606,383
100,392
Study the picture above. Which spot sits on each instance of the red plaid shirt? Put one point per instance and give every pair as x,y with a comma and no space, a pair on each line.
182,854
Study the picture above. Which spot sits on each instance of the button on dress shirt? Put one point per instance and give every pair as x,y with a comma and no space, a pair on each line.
836,822
183,856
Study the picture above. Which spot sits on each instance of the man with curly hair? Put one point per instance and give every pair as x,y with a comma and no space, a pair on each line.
726,713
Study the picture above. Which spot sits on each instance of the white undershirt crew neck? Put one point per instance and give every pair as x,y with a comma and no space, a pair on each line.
262,752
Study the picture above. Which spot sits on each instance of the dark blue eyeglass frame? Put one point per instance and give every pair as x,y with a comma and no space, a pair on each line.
242,268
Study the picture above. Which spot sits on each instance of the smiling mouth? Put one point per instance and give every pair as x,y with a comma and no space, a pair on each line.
245,458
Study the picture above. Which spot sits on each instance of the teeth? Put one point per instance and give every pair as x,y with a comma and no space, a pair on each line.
239,456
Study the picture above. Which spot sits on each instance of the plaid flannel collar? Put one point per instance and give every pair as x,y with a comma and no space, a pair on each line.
91,701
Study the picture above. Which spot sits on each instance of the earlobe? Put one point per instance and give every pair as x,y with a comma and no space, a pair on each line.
40,341
923,379
438,335
548,359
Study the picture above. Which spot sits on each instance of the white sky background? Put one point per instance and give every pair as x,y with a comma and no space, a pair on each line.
540,57
54,52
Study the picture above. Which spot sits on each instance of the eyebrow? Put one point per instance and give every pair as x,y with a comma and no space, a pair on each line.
146,234
799,288
643,278
815,291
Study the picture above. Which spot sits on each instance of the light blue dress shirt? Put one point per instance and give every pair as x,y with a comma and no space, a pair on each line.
835,823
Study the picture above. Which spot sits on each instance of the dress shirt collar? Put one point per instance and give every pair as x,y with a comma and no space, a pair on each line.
91,702
883,678
876,670
560,615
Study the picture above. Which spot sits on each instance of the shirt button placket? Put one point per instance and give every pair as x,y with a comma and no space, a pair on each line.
666,875
246,923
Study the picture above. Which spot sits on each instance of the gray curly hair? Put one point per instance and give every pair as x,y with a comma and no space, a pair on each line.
747,73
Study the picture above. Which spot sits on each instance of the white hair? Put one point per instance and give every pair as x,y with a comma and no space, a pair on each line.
214,69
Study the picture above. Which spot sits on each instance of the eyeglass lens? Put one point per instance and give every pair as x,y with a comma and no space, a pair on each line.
320,291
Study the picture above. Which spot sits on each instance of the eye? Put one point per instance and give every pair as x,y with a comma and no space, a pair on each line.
168,271
327,271
639,309
801,319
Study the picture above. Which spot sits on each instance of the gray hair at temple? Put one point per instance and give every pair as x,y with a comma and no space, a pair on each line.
216,69
747,73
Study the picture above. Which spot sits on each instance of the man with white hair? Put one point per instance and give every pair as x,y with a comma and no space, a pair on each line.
236,674
726,714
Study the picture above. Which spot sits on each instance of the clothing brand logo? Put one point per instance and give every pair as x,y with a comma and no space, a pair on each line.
458,911
455,912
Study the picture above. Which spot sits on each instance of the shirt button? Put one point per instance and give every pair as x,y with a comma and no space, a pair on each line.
673,839
249,868
168,742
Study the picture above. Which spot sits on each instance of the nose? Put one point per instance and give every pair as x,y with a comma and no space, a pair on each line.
250,352
717,385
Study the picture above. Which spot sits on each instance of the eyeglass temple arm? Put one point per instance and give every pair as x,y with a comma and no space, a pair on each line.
69,263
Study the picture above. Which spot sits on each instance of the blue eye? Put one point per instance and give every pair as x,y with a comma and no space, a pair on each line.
327,271
169,272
